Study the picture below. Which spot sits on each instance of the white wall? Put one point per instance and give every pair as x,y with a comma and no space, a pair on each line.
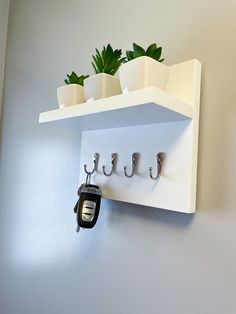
137,260
4,7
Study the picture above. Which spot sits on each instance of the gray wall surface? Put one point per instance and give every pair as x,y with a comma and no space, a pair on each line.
137,260
4,8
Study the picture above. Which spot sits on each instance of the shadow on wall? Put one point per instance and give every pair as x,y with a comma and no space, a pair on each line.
120,210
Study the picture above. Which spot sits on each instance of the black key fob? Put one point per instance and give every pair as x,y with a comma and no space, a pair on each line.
88,205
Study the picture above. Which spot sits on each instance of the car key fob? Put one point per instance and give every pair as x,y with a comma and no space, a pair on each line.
88,206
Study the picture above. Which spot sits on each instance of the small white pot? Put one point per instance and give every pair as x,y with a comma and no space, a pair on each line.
70,95
100,86
143,72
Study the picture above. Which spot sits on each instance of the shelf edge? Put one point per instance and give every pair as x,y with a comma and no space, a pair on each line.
131,99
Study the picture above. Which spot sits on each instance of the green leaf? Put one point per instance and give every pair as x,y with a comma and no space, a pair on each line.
108,56
157,54
74,78
95,68
130,55
98,62
151,49
81,79
138,51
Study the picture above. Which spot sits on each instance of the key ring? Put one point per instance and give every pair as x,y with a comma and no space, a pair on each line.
88,178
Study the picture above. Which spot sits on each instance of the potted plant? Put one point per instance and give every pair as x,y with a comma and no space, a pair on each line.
143,69
73,92
104,83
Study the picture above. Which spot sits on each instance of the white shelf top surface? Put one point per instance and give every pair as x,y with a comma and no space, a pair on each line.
145,106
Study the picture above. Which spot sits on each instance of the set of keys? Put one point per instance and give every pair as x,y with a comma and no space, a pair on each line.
88,205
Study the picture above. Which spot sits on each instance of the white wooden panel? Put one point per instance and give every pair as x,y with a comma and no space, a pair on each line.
172,191
182,80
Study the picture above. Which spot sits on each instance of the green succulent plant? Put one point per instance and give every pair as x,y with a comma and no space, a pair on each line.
152,51
108,61
73,78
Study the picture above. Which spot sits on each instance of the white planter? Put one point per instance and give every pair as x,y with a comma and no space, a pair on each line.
70,95
100,86
143,72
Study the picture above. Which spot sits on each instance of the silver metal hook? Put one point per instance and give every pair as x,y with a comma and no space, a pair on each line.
160,157
113,165
95,162
134,164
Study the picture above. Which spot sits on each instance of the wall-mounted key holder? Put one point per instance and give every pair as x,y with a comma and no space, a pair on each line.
171,190
147,121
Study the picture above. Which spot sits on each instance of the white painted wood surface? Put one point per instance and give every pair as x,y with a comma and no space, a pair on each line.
172,191
149,105
147,121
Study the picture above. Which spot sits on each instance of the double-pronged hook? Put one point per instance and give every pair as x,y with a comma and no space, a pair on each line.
160,157
134,165
95,162
113,165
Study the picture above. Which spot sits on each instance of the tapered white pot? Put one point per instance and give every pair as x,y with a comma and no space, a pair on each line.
100,86
143,72
70,95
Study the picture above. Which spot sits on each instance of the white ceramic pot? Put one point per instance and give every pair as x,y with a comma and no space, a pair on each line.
143,72
100,86
70,95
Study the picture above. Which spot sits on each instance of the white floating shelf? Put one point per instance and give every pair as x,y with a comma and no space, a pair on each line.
146,106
